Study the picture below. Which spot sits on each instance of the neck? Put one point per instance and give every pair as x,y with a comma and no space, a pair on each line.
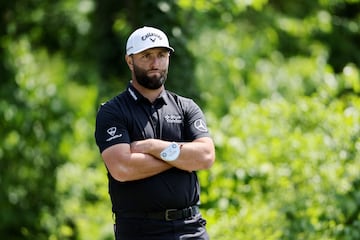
150,94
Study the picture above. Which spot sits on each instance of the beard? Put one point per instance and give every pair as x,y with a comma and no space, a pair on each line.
152,83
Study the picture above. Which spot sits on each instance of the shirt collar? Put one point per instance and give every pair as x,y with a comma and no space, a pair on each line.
138,97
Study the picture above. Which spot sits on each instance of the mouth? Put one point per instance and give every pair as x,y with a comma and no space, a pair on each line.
154,71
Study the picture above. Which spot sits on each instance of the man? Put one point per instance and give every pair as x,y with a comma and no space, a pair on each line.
152,142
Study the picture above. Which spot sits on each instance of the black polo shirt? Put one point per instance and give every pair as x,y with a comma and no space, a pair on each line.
131,117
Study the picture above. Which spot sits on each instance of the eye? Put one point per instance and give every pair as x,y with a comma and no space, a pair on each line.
163,55
146,56
150,56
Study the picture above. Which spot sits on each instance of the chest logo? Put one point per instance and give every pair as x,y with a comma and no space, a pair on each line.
173,118
200,125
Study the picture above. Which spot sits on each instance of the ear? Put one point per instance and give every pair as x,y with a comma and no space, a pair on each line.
129,61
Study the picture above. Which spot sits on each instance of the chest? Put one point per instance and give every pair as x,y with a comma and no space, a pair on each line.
161,121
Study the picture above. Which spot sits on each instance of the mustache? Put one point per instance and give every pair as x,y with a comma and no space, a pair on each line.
156,70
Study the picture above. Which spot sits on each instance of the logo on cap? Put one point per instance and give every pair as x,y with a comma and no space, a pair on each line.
151,36
137,42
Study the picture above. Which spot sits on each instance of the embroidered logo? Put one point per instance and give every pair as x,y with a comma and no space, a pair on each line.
112,132
151,36
200,125
172,118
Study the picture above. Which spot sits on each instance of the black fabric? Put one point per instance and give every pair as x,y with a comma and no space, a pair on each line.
150,229
167,215
130,117
134,118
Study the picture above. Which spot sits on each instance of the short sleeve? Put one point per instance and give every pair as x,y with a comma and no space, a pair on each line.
110,128
195,123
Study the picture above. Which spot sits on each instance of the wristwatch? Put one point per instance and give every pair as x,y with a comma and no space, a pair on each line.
171,152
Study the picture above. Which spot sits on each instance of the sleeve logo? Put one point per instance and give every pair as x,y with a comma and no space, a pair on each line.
200,125
112,132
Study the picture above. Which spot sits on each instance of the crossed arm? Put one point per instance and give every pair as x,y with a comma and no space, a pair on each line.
141,159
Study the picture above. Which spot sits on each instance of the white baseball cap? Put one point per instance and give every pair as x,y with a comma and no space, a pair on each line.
145,38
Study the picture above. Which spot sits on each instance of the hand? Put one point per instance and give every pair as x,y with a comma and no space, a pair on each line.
149,146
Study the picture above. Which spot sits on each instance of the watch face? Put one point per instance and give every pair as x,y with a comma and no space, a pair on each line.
171,152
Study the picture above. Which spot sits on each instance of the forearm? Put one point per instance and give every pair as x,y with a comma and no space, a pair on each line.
143,166
124,165
196,155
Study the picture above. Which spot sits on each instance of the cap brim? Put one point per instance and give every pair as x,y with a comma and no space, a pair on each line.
143,49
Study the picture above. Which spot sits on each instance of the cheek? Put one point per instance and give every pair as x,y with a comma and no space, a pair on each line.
139,66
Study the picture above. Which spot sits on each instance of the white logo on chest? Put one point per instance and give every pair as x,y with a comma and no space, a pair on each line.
173,118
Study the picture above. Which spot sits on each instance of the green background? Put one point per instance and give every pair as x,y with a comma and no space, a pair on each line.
279,83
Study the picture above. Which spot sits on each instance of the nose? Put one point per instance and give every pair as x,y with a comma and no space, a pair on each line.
155,61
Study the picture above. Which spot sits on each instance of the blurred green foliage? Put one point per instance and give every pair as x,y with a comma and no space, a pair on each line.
279,82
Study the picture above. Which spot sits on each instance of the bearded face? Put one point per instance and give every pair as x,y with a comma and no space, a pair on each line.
150,82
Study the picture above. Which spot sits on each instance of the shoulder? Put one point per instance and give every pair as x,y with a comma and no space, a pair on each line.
114,102
186,105
179,99
114,106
